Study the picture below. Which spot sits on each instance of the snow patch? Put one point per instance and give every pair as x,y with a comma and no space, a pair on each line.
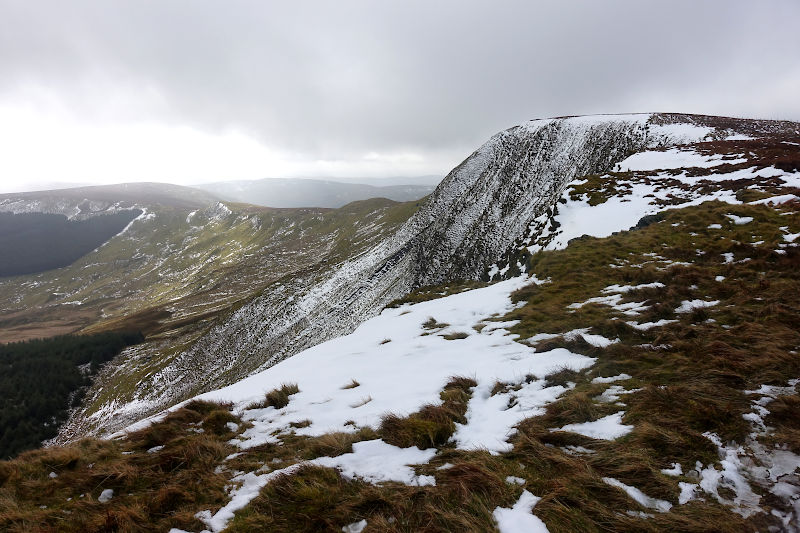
593,339
650,325
739,221
607,428
613,300
775,200
612,379
745,501
355,527
241,496
687,306
628,288
682,132
640,497
375,461
518,519
613,393
672,159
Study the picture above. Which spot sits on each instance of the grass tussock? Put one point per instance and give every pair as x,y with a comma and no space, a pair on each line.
352,385
319,499
563,377
577,407
783,417
432,323
361,402
277,398
220,422
433,425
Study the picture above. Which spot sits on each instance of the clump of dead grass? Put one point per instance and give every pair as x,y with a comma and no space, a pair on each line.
433,425
277,398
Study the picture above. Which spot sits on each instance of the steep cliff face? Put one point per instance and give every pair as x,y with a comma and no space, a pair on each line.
488,200
477,214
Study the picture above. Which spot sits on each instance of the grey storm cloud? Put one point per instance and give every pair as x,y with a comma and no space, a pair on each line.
326,78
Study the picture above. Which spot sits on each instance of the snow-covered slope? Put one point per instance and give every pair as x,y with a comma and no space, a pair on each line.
384,356
502,196
376,370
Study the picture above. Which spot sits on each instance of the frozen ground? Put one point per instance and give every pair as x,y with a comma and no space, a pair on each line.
477,214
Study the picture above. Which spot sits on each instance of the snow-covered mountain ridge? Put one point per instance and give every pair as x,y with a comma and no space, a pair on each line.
641,380
646,381
503,196
375,370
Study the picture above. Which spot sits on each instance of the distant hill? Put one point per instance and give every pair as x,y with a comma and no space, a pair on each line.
104,197
298,192
432,180
43,230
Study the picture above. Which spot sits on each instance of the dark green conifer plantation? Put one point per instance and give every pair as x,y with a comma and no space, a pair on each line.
41,379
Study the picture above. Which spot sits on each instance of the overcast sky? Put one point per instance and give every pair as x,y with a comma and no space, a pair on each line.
192,91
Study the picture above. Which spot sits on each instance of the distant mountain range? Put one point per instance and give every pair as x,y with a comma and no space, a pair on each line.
268,192
298,192
86,201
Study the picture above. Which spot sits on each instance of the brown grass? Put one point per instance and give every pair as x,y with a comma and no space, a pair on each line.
153,491
784,418
432,323
352,385
277,398
433,425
